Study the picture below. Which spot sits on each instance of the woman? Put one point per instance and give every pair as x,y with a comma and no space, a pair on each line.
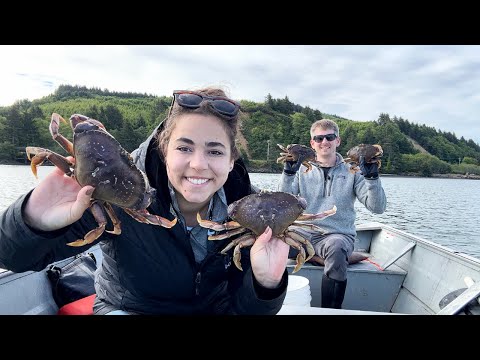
192,161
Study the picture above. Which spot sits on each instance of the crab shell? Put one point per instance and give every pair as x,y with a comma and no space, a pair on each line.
370,152
253,213
275,209
296,152
100,161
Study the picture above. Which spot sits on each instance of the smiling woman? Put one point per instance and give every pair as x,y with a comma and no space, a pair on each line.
193,163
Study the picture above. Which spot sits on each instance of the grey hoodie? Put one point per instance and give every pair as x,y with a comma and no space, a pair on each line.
341,188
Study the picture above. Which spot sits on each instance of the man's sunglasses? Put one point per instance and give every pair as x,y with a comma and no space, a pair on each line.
192,100
329,137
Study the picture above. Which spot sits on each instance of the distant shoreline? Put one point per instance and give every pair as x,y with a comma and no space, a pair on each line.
264,171
434,176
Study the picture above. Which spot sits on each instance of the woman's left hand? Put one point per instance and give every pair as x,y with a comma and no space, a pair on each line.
269,256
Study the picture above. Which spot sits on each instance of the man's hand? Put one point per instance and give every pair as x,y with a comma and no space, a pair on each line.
369,170
291,167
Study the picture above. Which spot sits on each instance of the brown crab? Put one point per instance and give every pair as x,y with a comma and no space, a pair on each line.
253,213
293,152
372,153
100,161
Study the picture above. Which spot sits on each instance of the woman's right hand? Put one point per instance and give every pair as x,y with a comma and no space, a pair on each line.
56,202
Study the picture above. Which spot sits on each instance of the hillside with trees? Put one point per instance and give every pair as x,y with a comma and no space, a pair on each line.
131,117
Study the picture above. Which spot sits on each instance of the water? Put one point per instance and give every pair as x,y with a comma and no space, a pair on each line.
441,210
16,180
444,211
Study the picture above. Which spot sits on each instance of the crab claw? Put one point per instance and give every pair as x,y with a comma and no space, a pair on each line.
91,236
242,241
291,240
145,217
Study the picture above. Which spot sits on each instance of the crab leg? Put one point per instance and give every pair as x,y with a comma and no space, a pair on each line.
285,157
309,226
242,241
307,164
117,230
59,138
94,234
216,226
301,239
145,217
301,252
227,235
41,154
321,215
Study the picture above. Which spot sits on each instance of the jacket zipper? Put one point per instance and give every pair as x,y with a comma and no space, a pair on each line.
197,283
329,183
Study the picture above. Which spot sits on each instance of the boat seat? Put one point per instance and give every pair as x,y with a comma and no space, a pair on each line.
370,287
82,306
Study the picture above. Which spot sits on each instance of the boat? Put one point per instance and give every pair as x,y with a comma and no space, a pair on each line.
402,274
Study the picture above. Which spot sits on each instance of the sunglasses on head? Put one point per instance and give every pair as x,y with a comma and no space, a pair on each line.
192,100
329,137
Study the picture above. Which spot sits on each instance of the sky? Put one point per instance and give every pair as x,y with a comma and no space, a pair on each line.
435,85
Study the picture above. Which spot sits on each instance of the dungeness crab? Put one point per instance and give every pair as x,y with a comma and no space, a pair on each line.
372,153
100,161
253,213
293,152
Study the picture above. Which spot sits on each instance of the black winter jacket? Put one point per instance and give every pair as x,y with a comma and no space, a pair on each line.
148,269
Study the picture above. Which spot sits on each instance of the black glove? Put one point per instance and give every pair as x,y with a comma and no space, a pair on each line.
291,167
369,170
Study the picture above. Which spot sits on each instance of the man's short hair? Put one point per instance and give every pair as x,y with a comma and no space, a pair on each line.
324,124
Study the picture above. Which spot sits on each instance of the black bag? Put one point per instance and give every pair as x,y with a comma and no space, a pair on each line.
74,280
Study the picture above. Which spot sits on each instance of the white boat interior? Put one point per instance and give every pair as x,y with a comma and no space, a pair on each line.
403,274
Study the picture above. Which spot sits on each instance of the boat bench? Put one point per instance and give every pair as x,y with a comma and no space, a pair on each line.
369,287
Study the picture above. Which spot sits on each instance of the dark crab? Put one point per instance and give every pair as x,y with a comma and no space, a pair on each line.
293,152
253,213
372,153
100,161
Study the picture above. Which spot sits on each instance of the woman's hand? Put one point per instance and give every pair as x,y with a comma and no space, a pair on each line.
56,202
269,257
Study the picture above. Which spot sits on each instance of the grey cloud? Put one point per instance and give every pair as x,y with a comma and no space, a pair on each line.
433,85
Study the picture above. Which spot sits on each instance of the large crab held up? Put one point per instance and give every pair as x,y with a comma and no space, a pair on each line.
294,152
372,153
100,161
253,213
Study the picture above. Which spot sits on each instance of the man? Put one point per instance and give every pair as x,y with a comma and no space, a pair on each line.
331,183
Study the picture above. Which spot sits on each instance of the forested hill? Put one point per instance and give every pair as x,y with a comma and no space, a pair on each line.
131,117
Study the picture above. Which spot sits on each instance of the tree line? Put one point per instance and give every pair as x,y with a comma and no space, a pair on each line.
131,117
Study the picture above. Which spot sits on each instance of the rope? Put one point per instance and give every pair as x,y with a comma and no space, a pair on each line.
374,264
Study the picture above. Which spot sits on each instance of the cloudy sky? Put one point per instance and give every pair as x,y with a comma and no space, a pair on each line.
434,85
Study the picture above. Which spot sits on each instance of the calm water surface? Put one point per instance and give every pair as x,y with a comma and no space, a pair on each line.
445,211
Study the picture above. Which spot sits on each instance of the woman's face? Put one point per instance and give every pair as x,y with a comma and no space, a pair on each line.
198,157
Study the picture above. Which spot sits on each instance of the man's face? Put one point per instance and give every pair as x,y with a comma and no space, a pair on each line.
325,148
